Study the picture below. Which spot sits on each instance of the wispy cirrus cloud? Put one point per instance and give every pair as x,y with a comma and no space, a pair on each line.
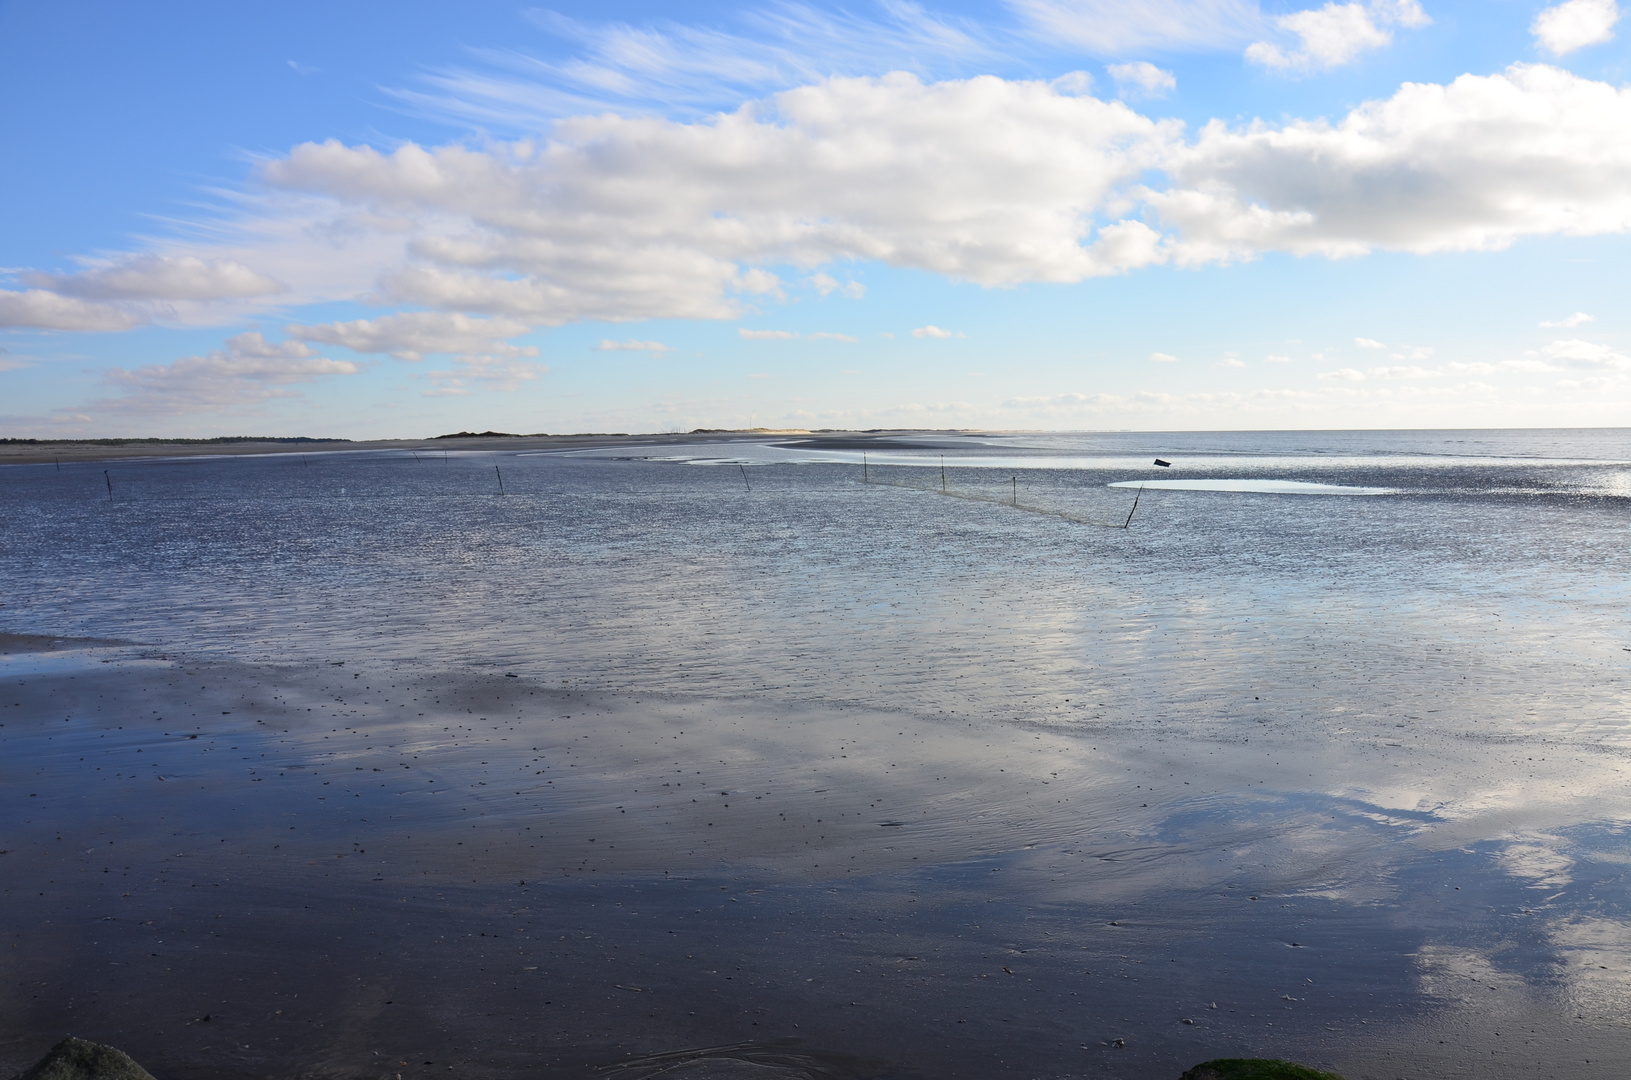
790,335
608,345
1110,28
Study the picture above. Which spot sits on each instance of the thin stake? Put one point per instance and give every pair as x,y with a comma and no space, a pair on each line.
59,464
1015,481
942,474
500,480
109,480
864,478
1130,513
744,469
415,456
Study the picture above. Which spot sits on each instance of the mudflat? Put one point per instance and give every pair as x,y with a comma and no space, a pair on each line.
363,769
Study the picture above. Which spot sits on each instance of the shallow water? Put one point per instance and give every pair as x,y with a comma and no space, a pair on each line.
1402,723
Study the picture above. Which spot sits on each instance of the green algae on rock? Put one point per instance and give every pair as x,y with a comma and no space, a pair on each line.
1255,1069
78,1059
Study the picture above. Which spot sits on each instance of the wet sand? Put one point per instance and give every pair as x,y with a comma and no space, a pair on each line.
810,777
240,870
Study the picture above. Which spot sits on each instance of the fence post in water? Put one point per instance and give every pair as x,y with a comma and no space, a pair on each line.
1134,510
744,469
500,480
109,480
1015,481
864,478
942,473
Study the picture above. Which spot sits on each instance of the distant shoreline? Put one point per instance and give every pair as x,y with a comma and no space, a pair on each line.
46,451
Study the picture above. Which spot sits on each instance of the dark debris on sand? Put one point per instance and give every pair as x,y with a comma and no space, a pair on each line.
1255,1069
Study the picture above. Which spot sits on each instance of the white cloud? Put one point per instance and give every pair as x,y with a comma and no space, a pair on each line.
1347,374
932,331
984,179
1279,359
1472,165
1368,343
413,335
987,180
1400,372
1119,27
826,284
1230,362
43,310
482,373
1163,358
826,336
1579,318
161,277
1576,355
1143,79
1336,33
249,369
607,345
1574,25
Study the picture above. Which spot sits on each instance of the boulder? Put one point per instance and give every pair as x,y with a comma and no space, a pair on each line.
76,1059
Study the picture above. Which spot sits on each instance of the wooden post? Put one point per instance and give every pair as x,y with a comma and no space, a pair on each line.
744,469
942,474
864,478
1015,481
1130,513
109,480
500,480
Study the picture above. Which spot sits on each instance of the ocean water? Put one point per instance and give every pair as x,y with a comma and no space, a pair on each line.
1403,718
1496,560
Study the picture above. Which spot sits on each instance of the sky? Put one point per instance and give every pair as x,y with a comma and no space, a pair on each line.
377,220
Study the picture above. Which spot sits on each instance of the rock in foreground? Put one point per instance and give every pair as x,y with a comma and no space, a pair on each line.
76,1059
1255,1069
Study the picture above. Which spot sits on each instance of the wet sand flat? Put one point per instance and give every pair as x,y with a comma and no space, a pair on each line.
642,765
352,869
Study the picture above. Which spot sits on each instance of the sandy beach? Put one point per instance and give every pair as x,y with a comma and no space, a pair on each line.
770,803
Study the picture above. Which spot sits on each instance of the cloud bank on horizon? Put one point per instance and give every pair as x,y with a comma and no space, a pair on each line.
681,176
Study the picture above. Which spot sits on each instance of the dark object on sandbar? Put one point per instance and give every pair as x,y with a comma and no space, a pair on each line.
77,1059
1255,1069
1163,464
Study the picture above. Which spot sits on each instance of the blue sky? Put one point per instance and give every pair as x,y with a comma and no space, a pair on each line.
376,220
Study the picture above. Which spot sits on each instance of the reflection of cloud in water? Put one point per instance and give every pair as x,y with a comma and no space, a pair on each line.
1594,955
1454,973
1536,858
